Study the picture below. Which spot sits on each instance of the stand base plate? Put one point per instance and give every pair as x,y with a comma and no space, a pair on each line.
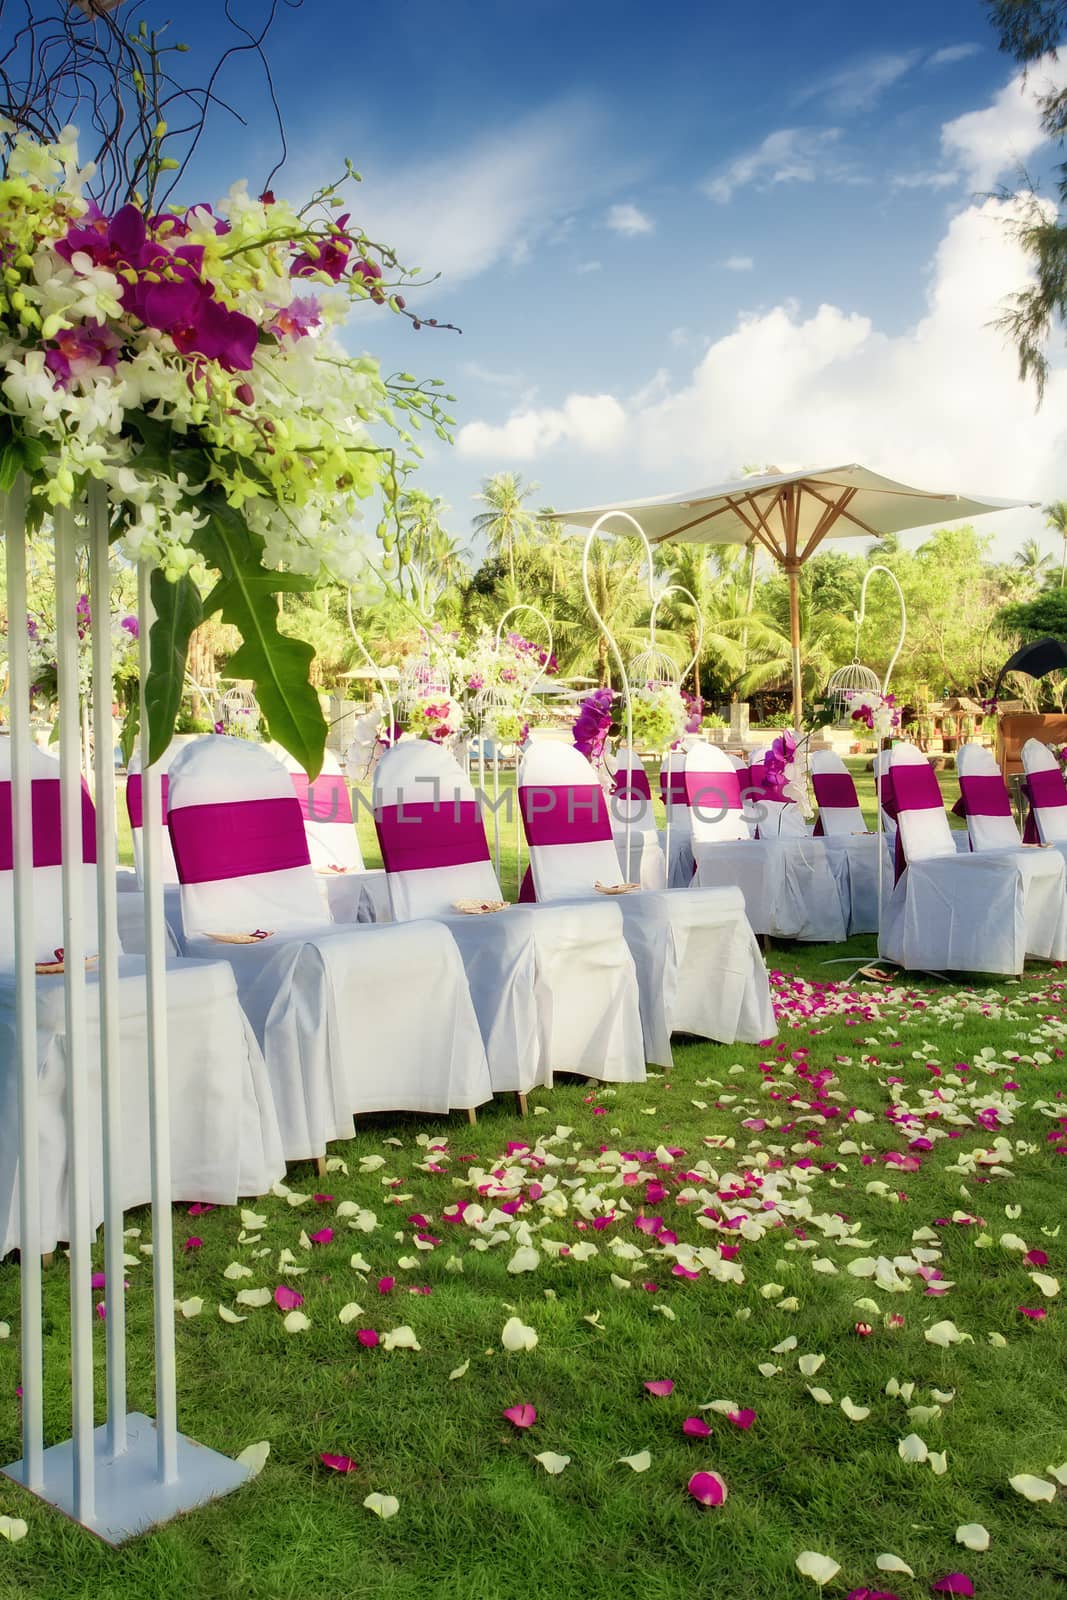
129,1496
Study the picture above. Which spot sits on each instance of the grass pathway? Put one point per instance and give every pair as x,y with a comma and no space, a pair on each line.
894,1154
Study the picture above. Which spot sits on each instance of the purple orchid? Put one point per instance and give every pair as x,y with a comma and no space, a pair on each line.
593,723
76,352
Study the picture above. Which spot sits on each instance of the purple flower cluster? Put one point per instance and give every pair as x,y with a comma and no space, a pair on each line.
526,647
781,754
694,704
593,723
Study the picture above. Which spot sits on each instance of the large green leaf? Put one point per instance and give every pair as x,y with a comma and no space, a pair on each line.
246,594
178,611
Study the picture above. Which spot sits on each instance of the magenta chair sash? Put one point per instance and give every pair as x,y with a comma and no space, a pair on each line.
983,795
574,813
909,789
836,792
672,788
1044,790
713,792
323,799
238,839
135,801
430,833
632,785
45,820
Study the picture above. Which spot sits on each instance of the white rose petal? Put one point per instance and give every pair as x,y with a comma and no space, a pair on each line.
809,1365
891,1563
402,1338
973,1536
638,1463
854,1413
517,1336
553,1463
254,1297
296,1322
254,1456
383,1505
13,1529
820,1569
912,1448
1032,1488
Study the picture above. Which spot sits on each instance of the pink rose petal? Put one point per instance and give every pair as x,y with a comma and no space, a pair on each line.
523,1416
953,1583
338,1463
741,1419
287,1299
660,1387
707,1488
192,1243
323,1200
385,1284
323,1236
367,1337
696,1427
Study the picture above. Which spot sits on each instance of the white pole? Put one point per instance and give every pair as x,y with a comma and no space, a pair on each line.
158,1076
107,913
25,993
609,636
75,1021
496,803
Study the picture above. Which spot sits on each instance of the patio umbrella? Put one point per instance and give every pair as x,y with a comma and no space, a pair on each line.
790,514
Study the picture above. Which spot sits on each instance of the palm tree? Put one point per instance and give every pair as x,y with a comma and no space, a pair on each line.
1056,517
618,582
711,584
507,521
1033,562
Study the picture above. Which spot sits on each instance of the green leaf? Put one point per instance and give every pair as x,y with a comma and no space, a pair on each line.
178,612
131,727
246,594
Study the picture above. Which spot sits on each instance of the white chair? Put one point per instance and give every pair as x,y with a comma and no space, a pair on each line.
984,801
775,818
554,986
1047,794
843,826
351,1018
794,887
224,1134
699,969
350,892
984,911
680,867
631,814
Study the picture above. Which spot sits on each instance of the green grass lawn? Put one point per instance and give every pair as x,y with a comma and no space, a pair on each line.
791,1140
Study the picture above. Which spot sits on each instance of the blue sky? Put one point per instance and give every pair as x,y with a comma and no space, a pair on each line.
679,240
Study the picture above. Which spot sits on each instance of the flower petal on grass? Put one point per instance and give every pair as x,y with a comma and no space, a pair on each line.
822,1397
237,1269
854,1413
943,1334
523,1416
973,1536
953,1583
525,1259
892,1563
660,1387
553,1463
338,1463
402,1338
349,1313
516,1336
938,1460
637,1463
192,1307
696,1428
13,1529
228,1315
253,1297
743,1418
786,1345
707,1488
287,1299
912,1448
459,1372
254,1457
1059,1473
383,1505
296,1322
820,1569
1032,1488
809,1365
1049,1287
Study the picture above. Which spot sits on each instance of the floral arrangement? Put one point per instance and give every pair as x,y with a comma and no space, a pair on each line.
878,712
506,725
43,650
660,716
434,717
785,771
185,359
694,706
593,724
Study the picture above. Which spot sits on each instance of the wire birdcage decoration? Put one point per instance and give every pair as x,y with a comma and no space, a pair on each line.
653,665
239,703
852,679
490,701
422,678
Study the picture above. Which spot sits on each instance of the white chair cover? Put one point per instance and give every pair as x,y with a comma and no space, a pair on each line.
681,866
632,814
699,969
350,893
351,1019
224,1135
843,826
1047,792
794,888
134,811
554,986
980,912
984,800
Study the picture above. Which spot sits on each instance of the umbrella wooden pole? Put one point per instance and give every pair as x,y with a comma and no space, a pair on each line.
793,574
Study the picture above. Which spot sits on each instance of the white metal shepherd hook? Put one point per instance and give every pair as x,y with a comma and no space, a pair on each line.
131,1473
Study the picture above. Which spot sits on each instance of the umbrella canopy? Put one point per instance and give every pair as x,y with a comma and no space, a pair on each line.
790,514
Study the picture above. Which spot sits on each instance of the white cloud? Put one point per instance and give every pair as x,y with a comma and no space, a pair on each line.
488,202
679,338
938,403
629,220
933,179
859,85
593,422
789,155
739,263
588,266
993,141
951,54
